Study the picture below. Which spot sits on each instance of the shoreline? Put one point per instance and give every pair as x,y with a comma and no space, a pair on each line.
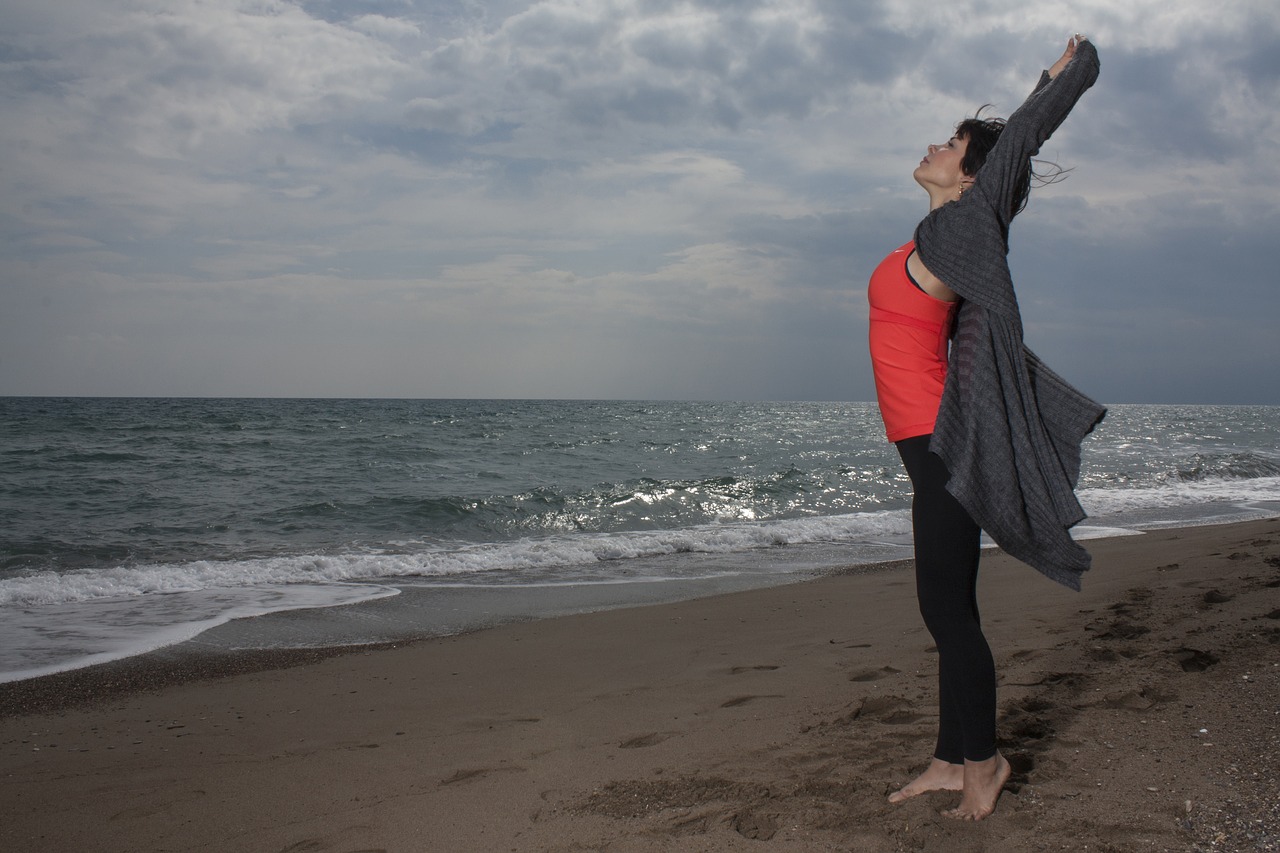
410,608
198,659
1140,714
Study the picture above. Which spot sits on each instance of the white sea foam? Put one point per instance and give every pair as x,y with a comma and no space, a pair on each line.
1189,495
1094,531
56,621
42,640
524,555
53,622
1114,510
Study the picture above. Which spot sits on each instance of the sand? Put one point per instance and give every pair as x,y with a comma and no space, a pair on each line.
1140,715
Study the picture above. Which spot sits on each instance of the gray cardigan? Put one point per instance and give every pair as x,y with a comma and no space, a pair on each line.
1008,428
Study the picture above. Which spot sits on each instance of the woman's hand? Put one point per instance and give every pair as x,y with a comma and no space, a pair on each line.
1072,44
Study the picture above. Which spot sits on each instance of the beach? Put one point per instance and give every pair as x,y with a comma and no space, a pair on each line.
1142,714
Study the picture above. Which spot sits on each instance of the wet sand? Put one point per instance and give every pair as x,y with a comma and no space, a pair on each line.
1140,715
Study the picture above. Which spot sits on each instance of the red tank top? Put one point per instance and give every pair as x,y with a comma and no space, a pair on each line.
908,336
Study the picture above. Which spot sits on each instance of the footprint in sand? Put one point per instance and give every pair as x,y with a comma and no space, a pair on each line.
1021,765
756,825
1124,630
1051,679
1026,728
641,741
1194,660
477,773
892,710
739,701
761,667
1214,596
1136,700
307,846
1029,730
1029,705
873,674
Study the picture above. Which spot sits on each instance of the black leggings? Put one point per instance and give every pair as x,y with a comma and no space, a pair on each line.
947,544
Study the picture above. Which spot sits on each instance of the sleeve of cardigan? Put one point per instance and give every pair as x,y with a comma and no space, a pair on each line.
1030,125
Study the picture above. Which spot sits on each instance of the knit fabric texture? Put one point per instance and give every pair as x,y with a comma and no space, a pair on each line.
1009,429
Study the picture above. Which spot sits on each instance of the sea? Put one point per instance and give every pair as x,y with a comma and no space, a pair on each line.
131,525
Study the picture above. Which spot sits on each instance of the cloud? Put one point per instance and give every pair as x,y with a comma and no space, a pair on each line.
605,197
382,26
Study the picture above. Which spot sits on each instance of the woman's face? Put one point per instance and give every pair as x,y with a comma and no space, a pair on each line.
940,168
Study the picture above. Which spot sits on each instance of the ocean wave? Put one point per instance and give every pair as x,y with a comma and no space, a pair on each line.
642,503
560,551
1200,467
70,635
647,502
525,555
1182,493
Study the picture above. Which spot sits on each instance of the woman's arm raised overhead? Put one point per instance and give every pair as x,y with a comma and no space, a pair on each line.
1056,68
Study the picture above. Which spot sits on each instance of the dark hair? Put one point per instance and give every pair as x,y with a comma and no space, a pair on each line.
982,135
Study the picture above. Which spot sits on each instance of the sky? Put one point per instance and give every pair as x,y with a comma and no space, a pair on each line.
640,199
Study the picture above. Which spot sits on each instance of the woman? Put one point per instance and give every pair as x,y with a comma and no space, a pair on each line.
989,436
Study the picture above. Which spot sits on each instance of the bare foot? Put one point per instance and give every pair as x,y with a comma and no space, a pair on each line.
983,781
938,776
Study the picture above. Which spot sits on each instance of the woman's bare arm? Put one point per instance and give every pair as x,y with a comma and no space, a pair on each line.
1072,43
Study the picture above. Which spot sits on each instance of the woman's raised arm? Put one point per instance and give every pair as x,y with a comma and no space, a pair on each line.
1032,123
1072,43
